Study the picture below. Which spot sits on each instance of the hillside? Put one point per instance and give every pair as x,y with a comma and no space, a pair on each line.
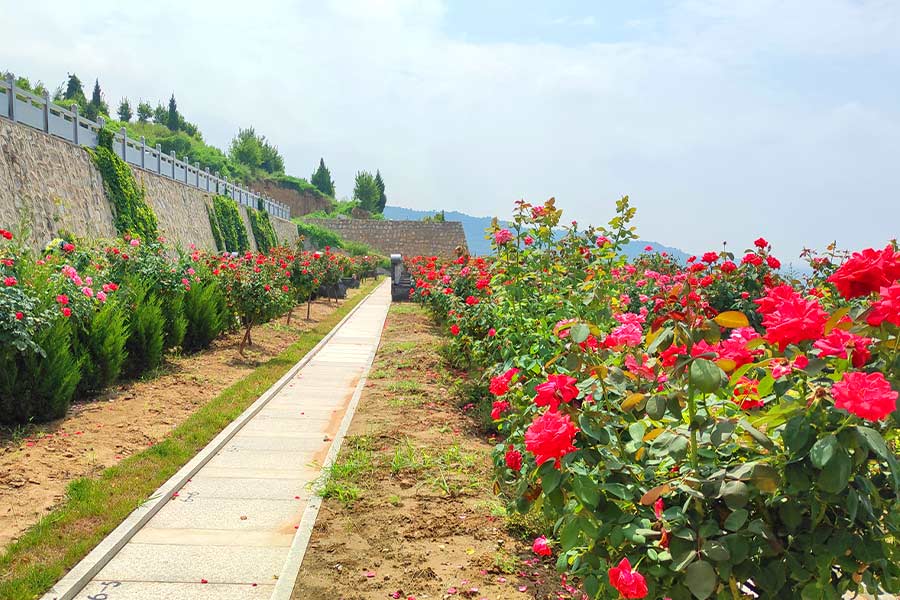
475,227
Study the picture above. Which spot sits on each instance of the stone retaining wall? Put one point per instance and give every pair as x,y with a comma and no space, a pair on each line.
409,238
51,186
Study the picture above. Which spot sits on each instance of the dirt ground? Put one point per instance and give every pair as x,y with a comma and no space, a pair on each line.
37,464
409,510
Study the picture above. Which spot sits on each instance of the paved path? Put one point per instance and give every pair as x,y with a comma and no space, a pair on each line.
240,524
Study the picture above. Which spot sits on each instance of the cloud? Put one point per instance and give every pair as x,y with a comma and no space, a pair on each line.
708,118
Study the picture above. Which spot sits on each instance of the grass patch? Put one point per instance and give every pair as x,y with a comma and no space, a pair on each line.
95,506
341,478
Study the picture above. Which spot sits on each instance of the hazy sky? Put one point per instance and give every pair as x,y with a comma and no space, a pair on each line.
722,119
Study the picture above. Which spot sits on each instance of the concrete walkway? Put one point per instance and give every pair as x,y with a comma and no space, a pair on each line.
239,526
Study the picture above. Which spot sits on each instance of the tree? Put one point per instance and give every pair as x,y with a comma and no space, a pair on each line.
246,149
366,191
74,90
172,116
124,111
160,115
322,179
97,106
382,198
144,112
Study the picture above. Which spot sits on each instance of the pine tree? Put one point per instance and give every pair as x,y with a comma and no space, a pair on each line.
74,90
366,192
382,198
96,107
172,117
124,111
322,179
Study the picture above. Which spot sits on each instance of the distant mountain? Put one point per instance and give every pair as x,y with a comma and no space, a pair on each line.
475,227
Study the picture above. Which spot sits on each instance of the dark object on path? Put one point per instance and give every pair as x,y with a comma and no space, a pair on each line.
401,281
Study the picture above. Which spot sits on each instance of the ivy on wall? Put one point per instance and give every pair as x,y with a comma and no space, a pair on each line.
228,222
263,232
133,215
214,226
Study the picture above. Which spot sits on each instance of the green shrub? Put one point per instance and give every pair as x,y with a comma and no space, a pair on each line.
358,249
263,232
204,310
39,386
146,330
216,230
133,215
172,305
100,346
319,236
231,226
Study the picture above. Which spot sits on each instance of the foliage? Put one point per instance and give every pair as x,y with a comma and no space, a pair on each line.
318,236
299,185
206,315
124,111
172,114
144,113
435,218
263,232
366,192
322,180
727,430
146,327
99,342
255,151
230,225
382,197
133,215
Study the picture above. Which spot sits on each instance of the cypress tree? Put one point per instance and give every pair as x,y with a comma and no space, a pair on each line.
322,179
382,198
172,117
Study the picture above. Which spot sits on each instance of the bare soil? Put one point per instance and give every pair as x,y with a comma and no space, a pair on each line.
409,511
37,463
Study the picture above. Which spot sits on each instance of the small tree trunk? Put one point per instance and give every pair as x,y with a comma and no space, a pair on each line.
308,302
290,312
245,341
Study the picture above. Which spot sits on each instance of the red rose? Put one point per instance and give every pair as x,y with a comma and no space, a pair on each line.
492,332
10,281
773,262
866,272
728,266
760,243
541,547
69,247
753,259
6,234
841,343
866,395
557,388
630,584
792,320
471,300
498,408
454,329
66,311
549,437
500,384
887,307
19,316
710,257
513,459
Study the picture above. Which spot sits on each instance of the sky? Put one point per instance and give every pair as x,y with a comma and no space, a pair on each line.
723,120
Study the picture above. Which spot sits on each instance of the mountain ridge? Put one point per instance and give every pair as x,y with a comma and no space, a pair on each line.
474,228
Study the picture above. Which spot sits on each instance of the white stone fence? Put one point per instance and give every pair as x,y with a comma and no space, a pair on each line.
41,113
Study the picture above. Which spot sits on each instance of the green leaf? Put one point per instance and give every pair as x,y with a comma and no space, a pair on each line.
586,490
591,428
736,494
550,477
579,332
791,515
637,431
757,435
700,578
736,519
796,433
656,407
591,586
823,451
852,504
874,441
835,478
716,550
706,376
721,432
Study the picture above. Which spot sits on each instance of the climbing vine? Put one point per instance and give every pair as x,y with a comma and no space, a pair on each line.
263,232
231,228
133,215
214,226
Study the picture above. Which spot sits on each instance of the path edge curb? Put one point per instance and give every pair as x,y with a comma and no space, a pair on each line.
84,571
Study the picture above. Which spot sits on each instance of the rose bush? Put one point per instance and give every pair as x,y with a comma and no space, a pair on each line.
79,315
707,429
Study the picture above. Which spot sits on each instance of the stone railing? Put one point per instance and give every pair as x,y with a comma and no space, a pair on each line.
41,113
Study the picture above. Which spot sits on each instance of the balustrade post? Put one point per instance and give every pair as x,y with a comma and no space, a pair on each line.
143,152
46,111
124,144
75,124
174,158
12,97
159,159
